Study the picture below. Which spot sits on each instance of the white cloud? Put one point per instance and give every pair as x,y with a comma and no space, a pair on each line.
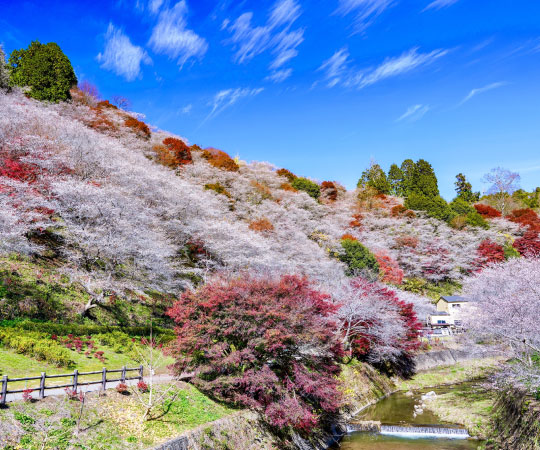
186,109
154,5
414,113
366,10
438,4
481,90
336,67
228,97
338,72
279,75
171,37
121,56
274,36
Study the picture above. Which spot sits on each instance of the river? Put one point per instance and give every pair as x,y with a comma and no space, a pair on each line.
407,428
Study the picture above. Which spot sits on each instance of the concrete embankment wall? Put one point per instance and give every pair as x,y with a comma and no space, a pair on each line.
516,422
425,361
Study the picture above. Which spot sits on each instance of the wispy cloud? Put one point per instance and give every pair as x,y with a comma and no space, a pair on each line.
438,4
279,75
337,69
481,90
186,109
274,36
121,56
366,11
155,5
171,36
414,113
228,97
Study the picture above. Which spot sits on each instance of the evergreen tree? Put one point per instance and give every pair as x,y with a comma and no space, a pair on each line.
376,178
407,168
4,74
44,69
423,180
396,178
464,189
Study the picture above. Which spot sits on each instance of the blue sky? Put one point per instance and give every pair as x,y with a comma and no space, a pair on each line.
319,87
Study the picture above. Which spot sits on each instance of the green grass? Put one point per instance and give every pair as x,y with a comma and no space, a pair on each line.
463,371
111,422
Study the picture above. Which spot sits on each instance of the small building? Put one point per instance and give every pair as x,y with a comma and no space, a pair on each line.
441,319
454,306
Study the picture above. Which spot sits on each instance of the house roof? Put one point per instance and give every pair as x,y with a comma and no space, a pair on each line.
454,299
441,313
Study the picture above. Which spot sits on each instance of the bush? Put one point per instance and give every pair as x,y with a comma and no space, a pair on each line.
308,186
263,225
489,252
287,187
476,220
179,152
287,174
218,188
461,207
329,190
220,159
358,258
37,345
487,211
525,217
44,69
390,272
529,244
140,128
435,207
266,344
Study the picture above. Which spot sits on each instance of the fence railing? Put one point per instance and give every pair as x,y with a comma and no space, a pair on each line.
75,382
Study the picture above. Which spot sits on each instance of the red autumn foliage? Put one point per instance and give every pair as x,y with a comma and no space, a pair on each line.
106,104
220,159
525,217
389,269
528,245
17,170
489,252
486,211
356,221
173,153
140,128
263,343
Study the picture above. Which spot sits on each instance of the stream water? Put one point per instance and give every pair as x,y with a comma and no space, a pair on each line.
405,426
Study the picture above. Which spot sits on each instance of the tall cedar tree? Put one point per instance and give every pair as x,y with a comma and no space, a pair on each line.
267,344
376,178
396,178
4,74
423,180
45,69
407,168
464,189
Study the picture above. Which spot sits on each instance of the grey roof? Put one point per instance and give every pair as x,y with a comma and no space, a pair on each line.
454,299
440,313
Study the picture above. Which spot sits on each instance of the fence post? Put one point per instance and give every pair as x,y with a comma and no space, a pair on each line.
75,380
104,379
42,386
123,377
141,370
4,390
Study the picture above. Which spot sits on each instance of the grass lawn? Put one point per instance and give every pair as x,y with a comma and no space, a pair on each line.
16,365
463,371
111,422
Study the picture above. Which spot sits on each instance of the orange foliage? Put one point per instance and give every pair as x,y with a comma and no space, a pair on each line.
348,237
287,174
406,241
390,271
262,189
262,225
400,210
173,153
220,159
106,104
287,187
329,190
356,221
140,128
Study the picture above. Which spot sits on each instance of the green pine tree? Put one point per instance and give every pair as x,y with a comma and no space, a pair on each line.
464,189
4,74
396,179
44,69
375,178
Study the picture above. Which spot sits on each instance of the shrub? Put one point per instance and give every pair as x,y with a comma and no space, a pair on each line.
287,174
528,244
525,217
106,104
45,69
390,272
142,386
140,128
348,236
476,220
356,221
180,151
357,258
489,252
218,188
435,207
220,159
121,388
262,189
287,187
262,225
461,207
487,211
267,344
308,186
329,190
406,241
397,210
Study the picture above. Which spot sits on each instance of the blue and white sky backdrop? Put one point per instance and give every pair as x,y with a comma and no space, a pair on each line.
319,87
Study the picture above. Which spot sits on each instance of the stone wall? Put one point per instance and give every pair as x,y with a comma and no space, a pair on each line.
425,361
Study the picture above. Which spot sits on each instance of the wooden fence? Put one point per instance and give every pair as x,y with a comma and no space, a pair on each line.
75,383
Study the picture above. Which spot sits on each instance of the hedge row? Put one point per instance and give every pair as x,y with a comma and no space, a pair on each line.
37,345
